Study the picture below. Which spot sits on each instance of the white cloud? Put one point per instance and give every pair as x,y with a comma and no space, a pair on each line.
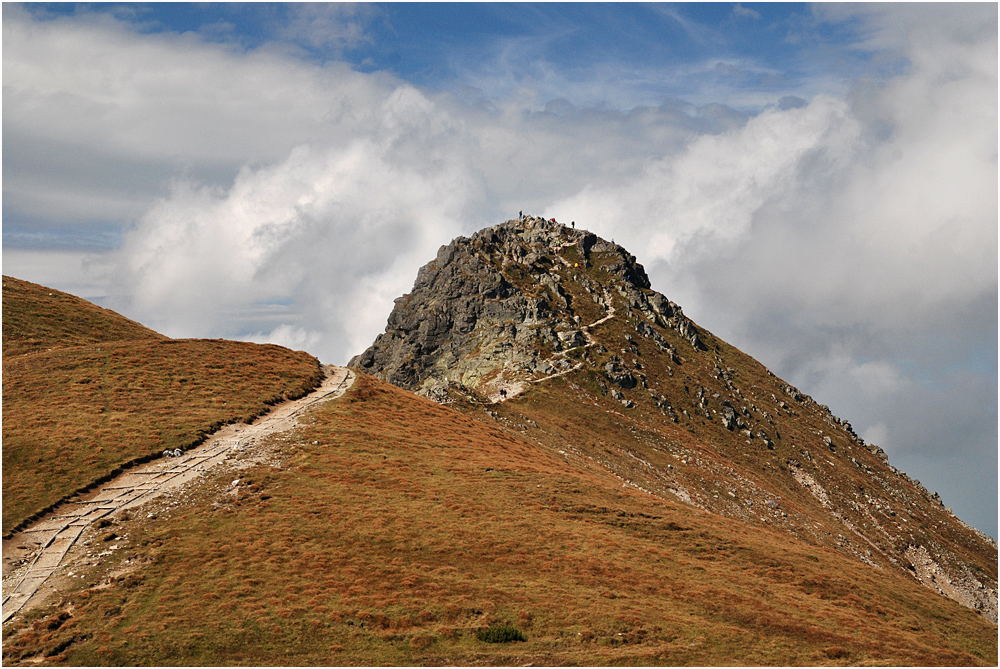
329,26
877,434
96,97
288,336
708,194
331,229
85,274
740,11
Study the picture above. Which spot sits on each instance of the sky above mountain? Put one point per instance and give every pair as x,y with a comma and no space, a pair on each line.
815,184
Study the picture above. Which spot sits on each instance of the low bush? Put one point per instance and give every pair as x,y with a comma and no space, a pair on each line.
500,634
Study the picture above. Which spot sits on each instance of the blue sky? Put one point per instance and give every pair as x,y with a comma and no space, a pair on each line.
814,183
779,47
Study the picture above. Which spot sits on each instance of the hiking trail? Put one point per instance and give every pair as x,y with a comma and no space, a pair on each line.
33,555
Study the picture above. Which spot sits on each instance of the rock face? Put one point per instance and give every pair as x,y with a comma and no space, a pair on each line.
493,311
682,414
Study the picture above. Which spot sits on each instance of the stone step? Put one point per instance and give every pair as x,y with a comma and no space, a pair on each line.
52,525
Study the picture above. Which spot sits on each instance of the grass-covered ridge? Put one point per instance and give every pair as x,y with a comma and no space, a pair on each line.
36,318
398,531
86,391
71,416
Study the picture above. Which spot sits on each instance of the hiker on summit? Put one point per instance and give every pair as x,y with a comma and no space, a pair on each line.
573,223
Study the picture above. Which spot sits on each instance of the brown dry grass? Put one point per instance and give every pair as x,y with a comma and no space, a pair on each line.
407,527
36,318
87,391
72,416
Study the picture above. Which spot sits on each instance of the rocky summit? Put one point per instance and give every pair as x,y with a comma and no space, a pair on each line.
501,310
556,334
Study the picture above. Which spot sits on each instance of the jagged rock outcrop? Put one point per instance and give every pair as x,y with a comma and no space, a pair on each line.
492,312
618,375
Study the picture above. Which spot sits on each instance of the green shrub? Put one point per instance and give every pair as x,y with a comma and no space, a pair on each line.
500,634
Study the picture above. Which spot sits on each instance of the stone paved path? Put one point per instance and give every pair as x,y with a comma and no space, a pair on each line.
56,533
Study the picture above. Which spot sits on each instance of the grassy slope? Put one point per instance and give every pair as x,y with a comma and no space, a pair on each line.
73,415
710,462
732,473
76,409
406,527
36,318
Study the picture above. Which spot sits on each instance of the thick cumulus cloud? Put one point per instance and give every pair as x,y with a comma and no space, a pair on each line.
268,198
705,196
327,237
847,241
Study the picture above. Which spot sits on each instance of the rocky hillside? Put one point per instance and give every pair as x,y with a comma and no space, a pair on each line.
497,311
556,334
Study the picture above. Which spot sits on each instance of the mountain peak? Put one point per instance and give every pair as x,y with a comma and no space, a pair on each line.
501,309
611,375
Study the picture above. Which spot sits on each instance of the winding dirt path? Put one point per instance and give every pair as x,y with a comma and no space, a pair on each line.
31,556
500,390
586,334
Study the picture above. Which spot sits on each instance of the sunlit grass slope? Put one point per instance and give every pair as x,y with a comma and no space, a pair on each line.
397,529
73,415
86,391
36,318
